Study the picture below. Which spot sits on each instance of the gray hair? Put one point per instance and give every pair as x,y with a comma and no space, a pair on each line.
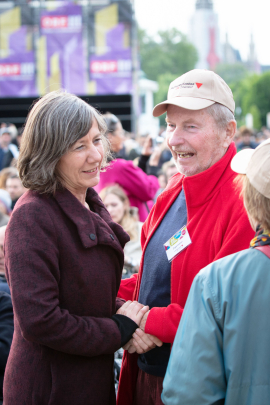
221,114
54,124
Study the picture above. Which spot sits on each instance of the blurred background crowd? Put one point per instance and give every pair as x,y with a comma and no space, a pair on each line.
142,166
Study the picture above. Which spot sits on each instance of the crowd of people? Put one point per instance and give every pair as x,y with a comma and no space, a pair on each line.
158,246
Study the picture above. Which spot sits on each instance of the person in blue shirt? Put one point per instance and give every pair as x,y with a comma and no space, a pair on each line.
221,353
246,139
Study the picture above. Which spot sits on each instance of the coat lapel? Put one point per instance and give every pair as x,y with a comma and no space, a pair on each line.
95,226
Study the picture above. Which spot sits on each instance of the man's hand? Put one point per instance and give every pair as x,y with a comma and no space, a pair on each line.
129,346
143,321
143,342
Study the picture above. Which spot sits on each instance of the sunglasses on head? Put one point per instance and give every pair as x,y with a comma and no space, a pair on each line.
113,118
111,121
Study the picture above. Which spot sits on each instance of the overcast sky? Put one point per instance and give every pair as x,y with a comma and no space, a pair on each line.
239,18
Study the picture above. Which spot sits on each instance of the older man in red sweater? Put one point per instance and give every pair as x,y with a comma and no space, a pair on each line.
198,219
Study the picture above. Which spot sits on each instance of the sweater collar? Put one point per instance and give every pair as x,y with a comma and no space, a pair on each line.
96,222
202,186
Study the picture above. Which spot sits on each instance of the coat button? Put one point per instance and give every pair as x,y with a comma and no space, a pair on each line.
92,236
112,237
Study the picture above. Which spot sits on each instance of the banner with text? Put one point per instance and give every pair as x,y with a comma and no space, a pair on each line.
82,49
17,62
61,58
110,65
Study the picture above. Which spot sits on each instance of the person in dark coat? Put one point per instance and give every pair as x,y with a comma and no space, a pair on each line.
64,259
15,189
6,333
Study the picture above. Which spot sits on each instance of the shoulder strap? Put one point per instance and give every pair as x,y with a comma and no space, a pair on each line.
265,249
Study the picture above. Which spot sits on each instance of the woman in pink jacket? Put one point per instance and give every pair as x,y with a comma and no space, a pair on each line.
139,187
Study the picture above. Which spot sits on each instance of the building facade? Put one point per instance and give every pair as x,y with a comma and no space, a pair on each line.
204,35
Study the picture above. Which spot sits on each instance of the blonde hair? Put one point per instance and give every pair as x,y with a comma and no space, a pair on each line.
55,123
257,205
6,173
129,221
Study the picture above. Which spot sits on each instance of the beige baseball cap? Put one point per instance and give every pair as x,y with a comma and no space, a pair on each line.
255,163
196,90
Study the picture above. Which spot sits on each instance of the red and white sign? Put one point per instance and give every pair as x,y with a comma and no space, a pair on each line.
10,69
104,66
17,69
59,21
110,66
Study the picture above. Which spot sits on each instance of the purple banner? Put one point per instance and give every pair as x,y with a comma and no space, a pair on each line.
17,71
65,54
112,71
57,56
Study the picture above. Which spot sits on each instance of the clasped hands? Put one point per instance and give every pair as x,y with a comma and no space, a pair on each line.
140,342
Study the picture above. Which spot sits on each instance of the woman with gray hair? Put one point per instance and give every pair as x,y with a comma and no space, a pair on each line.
221,352
64,259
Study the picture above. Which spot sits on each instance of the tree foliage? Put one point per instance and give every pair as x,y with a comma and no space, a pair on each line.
260,95
166,57
254,110
252,94
169,52
164,81
232,73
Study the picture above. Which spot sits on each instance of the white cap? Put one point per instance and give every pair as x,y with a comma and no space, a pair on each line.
196,90
255,163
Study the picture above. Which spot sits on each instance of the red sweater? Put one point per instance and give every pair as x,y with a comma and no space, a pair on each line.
218,226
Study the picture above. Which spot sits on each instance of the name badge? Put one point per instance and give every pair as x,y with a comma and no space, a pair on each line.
177,243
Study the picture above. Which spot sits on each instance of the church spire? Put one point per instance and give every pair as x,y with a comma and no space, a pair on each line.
204,4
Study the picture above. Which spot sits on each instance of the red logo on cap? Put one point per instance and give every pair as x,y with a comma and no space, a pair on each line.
198,85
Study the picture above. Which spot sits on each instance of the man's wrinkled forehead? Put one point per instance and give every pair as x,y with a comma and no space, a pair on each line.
175,113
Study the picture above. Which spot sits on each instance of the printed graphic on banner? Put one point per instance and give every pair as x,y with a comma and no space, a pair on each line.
61,50
17,68
177,243
70,23
111,67
90,55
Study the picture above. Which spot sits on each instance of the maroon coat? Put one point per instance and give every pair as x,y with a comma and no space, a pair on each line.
64,267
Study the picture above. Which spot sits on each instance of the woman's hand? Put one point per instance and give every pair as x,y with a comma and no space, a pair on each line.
133,310
142,342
